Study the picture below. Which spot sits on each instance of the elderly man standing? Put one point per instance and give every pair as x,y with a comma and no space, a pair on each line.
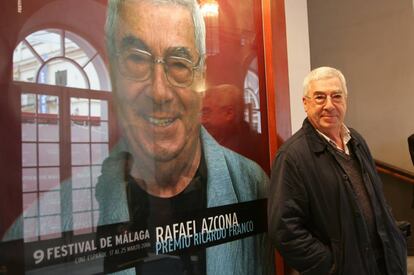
167,163
327,212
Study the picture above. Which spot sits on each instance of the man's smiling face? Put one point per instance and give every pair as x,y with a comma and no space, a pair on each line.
159,119
329,116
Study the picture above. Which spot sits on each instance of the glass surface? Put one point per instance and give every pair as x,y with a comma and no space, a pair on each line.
30,229
80,154
49,154
81,177
96,172
81,200
28,103
75,53
29,154
46,43
99,131
79,129
50,227
30,208
95,82
252,99
95,218
99,109
29,129
76,66
82,222
29,180
70,133
79,107
25,63
49,203
95,204
49,179
48,105
62,72
49,130
99,152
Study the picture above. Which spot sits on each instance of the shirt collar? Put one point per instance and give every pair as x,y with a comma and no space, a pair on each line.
346,137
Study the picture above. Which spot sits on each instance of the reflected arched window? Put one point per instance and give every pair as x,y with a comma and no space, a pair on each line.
252,97
59,57
66,130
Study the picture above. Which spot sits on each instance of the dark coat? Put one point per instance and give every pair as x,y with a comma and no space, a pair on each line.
411,146
314,219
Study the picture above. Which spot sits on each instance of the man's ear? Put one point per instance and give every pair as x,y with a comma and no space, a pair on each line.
305,104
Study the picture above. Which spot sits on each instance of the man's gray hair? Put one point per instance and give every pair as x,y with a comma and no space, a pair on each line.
112,19
324,73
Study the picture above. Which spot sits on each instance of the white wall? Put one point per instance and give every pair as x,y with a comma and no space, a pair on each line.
298,56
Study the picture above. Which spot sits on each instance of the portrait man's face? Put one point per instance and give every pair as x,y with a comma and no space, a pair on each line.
156,101
328,116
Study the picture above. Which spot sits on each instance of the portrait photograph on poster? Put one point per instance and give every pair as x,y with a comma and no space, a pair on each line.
160,136
142,138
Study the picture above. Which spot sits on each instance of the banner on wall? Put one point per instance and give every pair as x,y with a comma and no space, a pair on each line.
118,246
148,157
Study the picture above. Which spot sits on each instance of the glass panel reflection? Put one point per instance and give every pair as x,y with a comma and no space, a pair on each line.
81,177
25,63
49,130
93,76
81,200
29,153
49,154
62,72
46,43
30,205
50,227
49,178
95,218
99,108
80,154
29,180
28,127
79,107
28,103
96,172
82,222
79,130
99,152
74,52
31,230
28,117
95,204
48,104
73,63
99,133
49,203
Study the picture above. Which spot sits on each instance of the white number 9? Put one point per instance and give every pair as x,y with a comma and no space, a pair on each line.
38,255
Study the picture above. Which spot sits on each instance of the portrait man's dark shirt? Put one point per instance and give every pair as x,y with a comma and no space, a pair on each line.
150,211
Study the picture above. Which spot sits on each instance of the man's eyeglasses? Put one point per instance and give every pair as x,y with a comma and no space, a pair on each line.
138,65
321,98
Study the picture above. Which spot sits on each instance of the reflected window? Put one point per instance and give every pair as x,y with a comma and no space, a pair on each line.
59,57
252,97
41,155
65,131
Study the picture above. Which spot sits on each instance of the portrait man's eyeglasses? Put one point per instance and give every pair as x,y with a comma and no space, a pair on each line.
138,65
321,98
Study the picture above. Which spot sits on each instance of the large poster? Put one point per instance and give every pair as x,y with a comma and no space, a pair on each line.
139,133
